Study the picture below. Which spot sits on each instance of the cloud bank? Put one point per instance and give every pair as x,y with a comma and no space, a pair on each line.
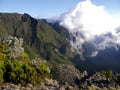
90,23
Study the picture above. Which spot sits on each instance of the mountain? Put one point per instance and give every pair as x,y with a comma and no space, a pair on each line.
103,53
40,38
51,41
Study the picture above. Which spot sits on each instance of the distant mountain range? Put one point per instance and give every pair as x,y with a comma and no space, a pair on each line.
51,41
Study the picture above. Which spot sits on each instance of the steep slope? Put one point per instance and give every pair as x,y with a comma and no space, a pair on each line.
40,39
51,42
107,57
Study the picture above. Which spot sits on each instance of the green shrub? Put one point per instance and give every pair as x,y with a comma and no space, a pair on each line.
43,70
41,67
13,70
22,72
19,70
1,71
107,74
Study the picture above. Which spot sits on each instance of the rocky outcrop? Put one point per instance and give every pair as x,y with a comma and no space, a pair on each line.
67,74
14,47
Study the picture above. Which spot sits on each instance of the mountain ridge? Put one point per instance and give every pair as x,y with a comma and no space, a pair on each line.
40,39
51,41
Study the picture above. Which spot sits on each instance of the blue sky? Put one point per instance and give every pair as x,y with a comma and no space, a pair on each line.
49,8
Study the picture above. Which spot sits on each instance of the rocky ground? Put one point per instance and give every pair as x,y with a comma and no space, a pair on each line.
52,85
94,82
49,85
69,78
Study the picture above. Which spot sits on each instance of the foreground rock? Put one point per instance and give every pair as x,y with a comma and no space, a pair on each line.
66,74
51,84
48,85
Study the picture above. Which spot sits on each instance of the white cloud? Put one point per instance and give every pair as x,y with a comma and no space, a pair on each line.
89,18
86,21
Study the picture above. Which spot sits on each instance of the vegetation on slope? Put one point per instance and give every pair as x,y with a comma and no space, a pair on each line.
40,39
17,68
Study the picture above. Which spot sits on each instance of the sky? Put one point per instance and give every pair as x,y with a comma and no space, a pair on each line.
84,19
50,8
